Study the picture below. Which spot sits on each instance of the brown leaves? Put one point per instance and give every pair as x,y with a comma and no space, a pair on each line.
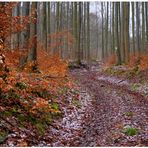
52,65
22,144
12,24
111,60
139,60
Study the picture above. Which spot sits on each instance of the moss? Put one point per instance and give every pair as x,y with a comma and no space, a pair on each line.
3,136
47,118
21,85
10,112
32,119
41,128
22,117
7,113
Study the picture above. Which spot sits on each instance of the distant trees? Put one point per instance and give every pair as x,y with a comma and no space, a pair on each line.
80,31
128,29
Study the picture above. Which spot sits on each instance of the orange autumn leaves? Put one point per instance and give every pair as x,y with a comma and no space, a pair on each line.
12,24
52,65
140,60
134,60
42,105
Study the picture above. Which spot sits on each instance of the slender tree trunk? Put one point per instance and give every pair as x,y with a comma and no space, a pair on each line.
85,33
33,34
113,26
117,48
48,26
76,28
88,34
106,32
102,13
138,26
146,17
79,33
143,28
133,26
126,29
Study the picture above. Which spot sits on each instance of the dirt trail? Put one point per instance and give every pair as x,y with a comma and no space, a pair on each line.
112,110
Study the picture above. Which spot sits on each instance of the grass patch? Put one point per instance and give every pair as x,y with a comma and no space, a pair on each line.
130,131
55,106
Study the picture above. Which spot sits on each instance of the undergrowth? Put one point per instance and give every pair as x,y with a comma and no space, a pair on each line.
32,99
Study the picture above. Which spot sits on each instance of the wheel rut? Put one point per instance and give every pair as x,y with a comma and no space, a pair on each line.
112,110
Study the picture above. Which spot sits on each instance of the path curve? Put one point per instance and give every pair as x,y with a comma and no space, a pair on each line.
112,110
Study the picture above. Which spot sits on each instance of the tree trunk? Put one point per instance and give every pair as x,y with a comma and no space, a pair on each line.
117,47
33,35
106,32
133,26
88,35
138,26
113,26
102,13
126,33
143,28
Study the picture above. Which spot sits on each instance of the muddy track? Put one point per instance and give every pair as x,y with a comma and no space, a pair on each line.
112,110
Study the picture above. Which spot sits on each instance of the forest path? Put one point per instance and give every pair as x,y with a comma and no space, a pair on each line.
113,109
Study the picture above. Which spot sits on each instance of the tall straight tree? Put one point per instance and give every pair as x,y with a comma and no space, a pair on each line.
117,47
133,26
48,24
146,18
126,31
88,34
122,32
113,26
79,32
138,26
25,35
106,30
75,21
85,33
143,27
44,40
102,14
33,32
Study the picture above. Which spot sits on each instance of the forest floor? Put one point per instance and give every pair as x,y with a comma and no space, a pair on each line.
118,113
105,109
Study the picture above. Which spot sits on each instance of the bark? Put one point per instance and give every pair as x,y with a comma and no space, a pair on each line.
126,33
102,14
113,26
143,28
137,27
88,35
117,47
133,26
